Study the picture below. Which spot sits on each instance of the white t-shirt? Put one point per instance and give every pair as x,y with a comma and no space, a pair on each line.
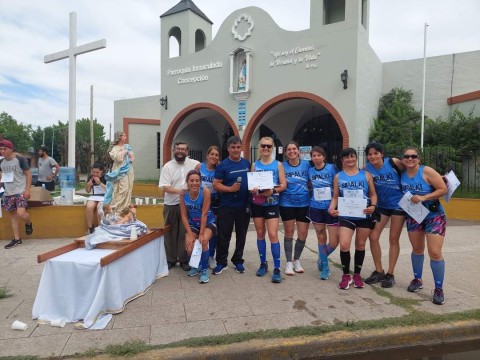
174,174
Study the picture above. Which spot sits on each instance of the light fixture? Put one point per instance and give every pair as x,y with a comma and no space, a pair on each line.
344,78
164,102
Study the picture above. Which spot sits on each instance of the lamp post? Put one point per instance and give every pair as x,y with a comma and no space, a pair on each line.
344,78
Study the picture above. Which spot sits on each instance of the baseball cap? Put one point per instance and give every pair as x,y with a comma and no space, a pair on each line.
6,143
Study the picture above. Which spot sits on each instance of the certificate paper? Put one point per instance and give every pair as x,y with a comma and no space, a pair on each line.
196,254
452,184
417,211
352,207
322,194
260,179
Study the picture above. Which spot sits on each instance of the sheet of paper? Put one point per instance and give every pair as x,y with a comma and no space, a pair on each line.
260,180
452,184
196,254
352,207
7,177
322,194
417,211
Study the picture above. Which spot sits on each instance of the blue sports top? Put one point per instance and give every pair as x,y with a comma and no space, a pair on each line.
322,178
296,194
273,166
207,177
418,186
387,185
194,210
229,171
355,182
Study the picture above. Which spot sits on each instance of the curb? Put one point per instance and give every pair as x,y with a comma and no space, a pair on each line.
336,343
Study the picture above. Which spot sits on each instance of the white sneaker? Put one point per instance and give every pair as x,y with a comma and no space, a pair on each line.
211,262
289,268
297,267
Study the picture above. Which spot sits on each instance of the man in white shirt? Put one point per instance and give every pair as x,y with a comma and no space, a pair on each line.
172,181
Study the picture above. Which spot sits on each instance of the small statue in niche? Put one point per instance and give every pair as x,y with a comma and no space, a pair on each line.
242,77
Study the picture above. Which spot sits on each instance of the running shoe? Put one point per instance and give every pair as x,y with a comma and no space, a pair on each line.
375,277
357,281
277,276
438,297
185,266
13,243
203,279
211,262
29,229
289,268
297,267
219,269
325,273
388,281
239,268
263,269
415,285
346,281
193,271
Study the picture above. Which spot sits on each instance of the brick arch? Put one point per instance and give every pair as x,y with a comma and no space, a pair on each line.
174,125
260,113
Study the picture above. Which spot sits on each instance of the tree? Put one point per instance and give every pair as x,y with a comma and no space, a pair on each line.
398,123
18,134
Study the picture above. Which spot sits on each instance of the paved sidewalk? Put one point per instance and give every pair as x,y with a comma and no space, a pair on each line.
178,307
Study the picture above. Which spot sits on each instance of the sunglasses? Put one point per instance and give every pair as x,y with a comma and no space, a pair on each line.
414,156
268,146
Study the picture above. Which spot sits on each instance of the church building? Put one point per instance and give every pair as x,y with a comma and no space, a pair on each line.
318,86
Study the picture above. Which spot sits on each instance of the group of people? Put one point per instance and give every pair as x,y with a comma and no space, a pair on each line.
208,201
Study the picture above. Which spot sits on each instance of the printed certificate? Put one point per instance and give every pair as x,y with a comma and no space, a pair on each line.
417,211
352,207
260,179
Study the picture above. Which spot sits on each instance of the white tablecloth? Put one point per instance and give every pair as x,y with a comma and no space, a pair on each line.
74,287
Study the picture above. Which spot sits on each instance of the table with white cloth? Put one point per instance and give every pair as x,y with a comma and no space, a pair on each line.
74,287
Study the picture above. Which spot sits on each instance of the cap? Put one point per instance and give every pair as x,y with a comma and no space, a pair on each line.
6,143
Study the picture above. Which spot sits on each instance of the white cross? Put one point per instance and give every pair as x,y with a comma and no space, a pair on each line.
71,53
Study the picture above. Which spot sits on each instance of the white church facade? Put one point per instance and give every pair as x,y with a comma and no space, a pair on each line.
318,86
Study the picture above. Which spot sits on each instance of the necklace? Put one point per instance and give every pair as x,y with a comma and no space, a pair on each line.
191,197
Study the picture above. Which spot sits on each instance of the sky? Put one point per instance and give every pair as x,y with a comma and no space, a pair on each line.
36,93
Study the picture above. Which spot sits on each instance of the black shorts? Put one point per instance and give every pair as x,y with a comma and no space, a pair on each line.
267,212
50,185
211,226
390,212
360,223
295,213
321,216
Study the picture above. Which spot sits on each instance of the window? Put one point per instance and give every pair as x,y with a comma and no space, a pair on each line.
199,40
333,11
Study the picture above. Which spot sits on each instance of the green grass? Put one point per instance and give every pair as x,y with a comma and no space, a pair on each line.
466,194
4,293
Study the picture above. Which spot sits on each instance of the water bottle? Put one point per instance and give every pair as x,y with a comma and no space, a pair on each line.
43,186
133,233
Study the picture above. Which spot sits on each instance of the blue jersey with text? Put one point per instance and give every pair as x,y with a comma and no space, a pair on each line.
207,177
418,186
296,194
229,172
357,182
387,185
273,167
321,178
194,209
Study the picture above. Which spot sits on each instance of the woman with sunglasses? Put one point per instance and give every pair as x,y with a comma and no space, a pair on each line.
427,186
265,208
386,174
321,177
207,171
198,220
294,203
353,182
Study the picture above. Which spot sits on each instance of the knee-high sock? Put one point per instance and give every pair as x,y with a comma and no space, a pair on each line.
204,260
323,254
299,245
212,245
417,265
438,270
288,246
275,248
262,250
329,249
358,261
345,259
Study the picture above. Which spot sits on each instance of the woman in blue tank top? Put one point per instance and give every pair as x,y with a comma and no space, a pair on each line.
354,183
427,186
198,220
386,174
265,208
207,172
321,177
294,202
